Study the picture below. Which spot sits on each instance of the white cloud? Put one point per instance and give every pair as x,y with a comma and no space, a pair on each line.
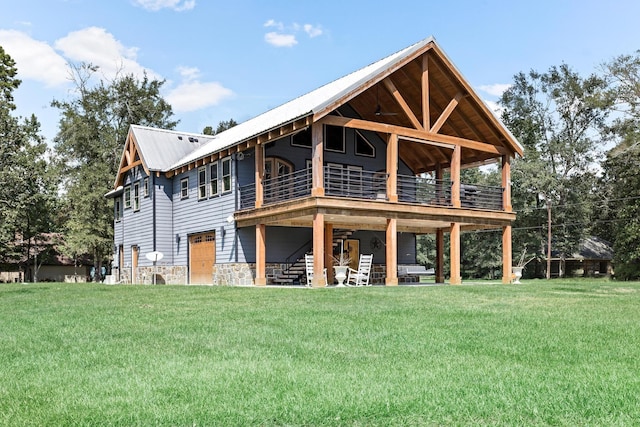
96,46
194,95
35,60
280,40
313,31
177,5
495,107
189,73
496,89
273,23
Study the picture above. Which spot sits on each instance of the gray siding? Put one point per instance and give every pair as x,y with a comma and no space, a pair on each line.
163,194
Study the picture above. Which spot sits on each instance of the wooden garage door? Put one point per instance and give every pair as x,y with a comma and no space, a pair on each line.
202,256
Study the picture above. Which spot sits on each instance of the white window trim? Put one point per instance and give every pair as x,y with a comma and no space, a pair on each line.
222,175
118,209
202,185
135,199
126,196
355,145
182,194
344,144
145,187
213,193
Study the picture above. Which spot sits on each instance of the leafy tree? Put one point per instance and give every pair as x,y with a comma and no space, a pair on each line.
27,188
557,116
621,182
92,132
222,126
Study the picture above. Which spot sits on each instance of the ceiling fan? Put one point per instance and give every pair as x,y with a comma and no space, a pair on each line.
378,111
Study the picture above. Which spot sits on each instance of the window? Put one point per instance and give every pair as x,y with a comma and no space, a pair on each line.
334,138
145,187
226,175
202,182
363,146
127,197
302,138
184,188
117,206
136,196
213,179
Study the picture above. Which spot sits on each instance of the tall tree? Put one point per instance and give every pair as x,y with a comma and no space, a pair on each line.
27,189
557,116
89,144
621,183
222,126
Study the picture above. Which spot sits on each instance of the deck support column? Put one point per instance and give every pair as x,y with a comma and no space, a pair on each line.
261,252
317,160
507,242
259,175
318,250
392,252
328,250
439,256
454,258
392,167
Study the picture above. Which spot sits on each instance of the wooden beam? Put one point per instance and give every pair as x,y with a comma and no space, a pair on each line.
261,249
425,136
454,257
446,113
259,175
403,104
507,260
439,256
318,250
317,160
392,168
455,177
506,183
130,166
391,252
328,250
426,111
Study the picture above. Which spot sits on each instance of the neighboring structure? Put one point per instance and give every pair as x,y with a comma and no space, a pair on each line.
372,159
593,259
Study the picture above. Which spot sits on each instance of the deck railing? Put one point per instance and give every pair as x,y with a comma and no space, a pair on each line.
362,184
424,191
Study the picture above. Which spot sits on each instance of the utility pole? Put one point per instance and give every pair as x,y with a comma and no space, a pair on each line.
548,239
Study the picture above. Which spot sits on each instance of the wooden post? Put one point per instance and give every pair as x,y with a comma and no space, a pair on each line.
261,248
439,256
392,252
392,167
259,175
317,160
455,176
507,260
328,251
426,114
318,250
454,258
507,242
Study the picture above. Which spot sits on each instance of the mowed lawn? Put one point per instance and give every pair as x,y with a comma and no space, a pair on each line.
540,353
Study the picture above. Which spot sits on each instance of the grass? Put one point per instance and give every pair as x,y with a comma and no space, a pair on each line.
541,353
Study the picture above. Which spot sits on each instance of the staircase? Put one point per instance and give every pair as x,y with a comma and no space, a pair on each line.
296,273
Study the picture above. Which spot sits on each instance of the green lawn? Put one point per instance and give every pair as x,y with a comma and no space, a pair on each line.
540,353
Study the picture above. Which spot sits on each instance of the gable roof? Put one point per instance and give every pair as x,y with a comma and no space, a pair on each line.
161,150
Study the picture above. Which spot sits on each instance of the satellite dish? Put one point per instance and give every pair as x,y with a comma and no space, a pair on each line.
154,256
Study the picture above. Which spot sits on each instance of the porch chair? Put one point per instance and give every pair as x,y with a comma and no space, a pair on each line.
360,277
308,261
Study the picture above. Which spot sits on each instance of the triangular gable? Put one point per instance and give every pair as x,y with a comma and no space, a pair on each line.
131,158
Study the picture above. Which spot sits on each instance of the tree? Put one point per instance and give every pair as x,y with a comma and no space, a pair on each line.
557,117
222,126
92,132
621,183
27,188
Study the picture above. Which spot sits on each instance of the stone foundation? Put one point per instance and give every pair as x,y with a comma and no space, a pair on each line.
235,274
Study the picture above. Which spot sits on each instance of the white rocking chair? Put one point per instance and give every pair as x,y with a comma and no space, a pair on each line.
308,260
360,277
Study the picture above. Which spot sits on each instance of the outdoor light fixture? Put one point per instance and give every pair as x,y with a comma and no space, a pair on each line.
177,238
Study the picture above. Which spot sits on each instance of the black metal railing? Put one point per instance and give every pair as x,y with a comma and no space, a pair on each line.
481,197
362,184
355,183
425,191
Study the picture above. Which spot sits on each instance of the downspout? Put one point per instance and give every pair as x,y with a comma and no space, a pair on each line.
153,201
236,191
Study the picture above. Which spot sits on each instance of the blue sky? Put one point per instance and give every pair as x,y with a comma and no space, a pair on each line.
236,59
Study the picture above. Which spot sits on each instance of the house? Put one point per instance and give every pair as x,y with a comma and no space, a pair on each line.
593,258
369,160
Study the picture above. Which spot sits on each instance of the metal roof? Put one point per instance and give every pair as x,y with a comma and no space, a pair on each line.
160,148
313,102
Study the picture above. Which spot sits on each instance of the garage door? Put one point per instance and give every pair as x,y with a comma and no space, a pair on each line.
202,256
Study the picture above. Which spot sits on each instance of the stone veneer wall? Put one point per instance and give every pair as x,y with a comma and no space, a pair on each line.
165,274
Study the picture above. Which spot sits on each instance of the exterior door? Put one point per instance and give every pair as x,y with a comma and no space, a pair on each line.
352,246
202,257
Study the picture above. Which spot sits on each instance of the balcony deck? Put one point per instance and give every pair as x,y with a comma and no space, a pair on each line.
358,199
